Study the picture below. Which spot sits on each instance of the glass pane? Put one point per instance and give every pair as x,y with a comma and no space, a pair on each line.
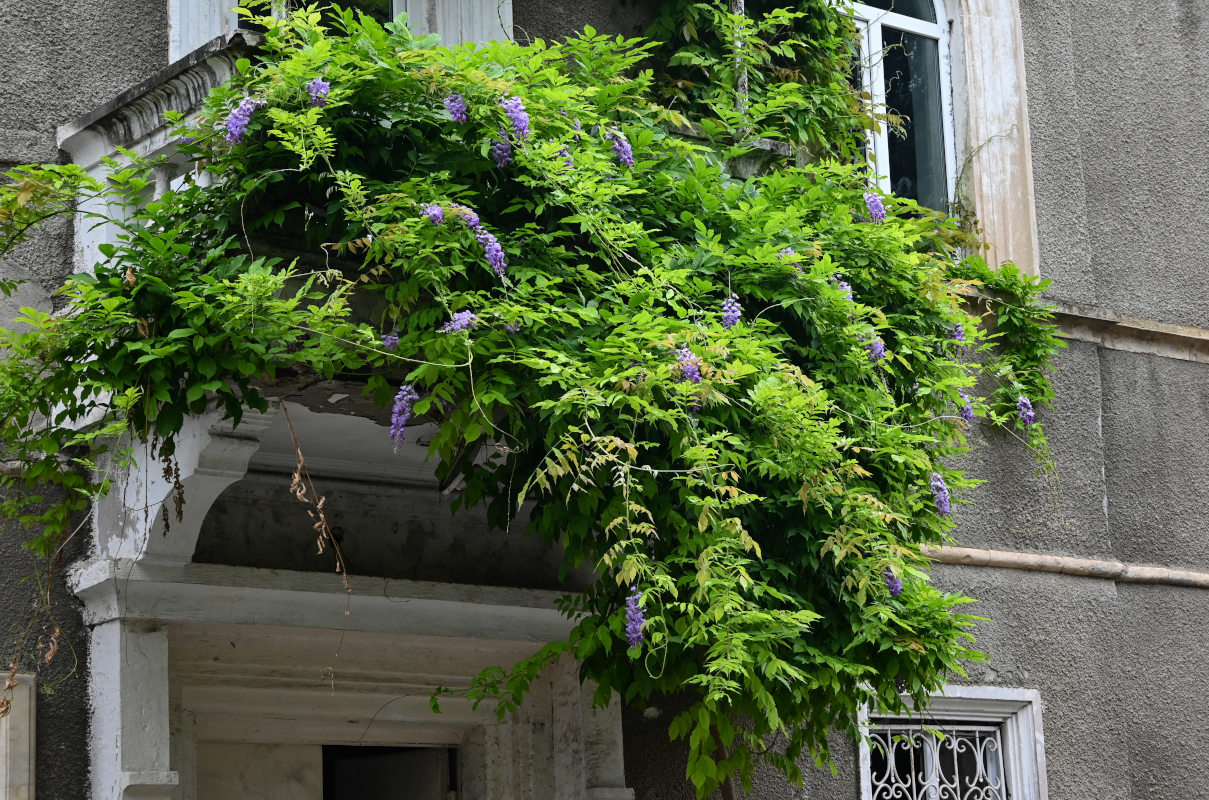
911,65
920,9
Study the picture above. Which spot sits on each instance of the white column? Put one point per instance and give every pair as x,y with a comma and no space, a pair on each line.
128,687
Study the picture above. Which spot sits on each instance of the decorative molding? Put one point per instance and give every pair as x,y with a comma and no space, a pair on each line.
134,519
135,118
17,733
1067,565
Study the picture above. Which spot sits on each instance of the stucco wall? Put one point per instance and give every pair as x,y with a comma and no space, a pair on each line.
1118,110
61,742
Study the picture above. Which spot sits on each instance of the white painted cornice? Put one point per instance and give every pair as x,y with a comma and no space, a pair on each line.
185,592
135,118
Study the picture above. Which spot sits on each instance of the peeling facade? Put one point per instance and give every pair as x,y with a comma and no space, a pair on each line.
221,659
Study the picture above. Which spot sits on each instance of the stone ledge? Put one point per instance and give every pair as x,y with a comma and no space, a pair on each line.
1115,331
1068,565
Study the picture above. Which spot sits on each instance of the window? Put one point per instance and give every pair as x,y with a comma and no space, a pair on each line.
905,49
972,742
938,759
17,742
192,23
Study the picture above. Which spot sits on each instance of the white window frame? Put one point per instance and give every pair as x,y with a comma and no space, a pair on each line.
17,742
1017,712
869,21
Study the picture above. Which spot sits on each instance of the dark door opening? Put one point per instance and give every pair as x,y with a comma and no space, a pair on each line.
390,773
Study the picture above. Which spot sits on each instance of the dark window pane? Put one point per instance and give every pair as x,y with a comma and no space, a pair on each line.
378,9
920,9
917,157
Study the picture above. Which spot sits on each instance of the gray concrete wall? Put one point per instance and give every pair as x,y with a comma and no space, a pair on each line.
60,59
1118,111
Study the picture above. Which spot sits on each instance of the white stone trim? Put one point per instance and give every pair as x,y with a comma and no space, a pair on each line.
17,731
128,523
1016,711
992,105
128,691
135,120
166,592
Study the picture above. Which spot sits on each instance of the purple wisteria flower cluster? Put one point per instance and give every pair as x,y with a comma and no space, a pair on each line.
455,104
940,495
575,124
1025,407
967,411
462,320
515,109
434,213
501,149
239,118
400,414
492,250
688,365
876,349
390,340
788,253
318,89
843,286
893,582
877,211
732,312
621,147
634,617
469,218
